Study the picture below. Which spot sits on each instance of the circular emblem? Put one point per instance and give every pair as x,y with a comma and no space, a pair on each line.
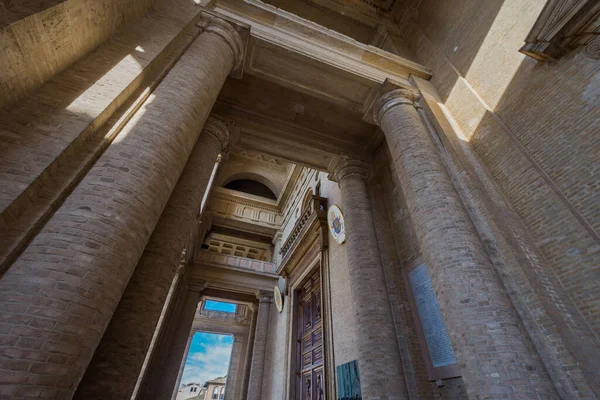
278,298
337,226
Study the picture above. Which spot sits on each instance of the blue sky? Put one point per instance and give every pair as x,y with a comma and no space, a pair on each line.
208,357
219,306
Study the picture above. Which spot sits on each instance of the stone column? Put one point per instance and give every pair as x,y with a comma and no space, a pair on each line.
118,360
179,344
59,295
379,362
257,365
486,332
243,394
235,363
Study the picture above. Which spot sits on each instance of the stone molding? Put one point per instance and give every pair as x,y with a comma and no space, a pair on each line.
562,26
229,32
264,297
219,130
279,27
392,99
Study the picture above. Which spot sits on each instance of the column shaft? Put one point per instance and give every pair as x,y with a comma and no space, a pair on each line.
235,363
60,294
178,346
484,327
117,362
257,365
243,393
379,362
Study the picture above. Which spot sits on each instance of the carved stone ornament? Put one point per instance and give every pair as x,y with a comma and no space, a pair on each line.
337,226
278,298
562,26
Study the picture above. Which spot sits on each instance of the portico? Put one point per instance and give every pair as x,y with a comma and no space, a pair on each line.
212,178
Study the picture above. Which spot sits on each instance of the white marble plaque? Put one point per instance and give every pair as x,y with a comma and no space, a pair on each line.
434,328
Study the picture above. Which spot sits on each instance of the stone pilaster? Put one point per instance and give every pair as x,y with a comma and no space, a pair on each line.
379,362
118,360
486,332
257,365
179,344
235,363
70,279
243,394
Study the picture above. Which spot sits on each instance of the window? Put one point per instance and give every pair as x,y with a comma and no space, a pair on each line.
222,396
215,394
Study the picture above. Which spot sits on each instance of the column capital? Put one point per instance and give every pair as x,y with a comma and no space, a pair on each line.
219,130
393,98
347,166
234,33
196,286
264,297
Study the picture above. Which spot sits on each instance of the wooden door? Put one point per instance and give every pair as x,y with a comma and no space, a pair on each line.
310,379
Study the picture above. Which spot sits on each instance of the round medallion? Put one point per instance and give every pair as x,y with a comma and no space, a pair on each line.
278,298
337,227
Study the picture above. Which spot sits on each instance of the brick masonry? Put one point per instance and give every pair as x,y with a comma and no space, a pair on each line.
534,127
117,361
484,327
76,269
379,365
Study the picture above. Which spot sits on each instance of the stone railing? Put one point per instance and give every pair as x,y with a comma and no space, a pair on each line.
221,316
225,260
315,208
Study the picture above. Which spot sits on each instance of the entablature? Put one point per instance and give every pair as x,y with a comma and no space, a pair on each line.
307,57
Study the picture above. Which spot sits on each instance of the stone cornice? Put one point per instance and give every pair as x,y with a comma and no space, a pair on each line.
228,195
562,26
298,35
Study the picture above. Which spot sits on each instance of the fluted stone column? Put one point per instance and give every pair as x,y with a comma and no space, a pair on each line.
179,344
60,294
118,360
257,365
379,362
235,363
496,356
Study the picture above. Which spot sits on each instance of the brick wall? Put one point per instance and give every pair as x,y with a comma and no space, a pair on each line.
533,126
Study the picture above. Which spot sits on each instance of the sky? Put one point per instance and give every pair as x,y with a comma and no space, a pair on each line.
219,306
208,357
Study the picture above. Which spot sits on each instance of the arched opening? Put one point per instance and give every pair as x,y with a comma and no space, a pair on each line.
251,187
307,197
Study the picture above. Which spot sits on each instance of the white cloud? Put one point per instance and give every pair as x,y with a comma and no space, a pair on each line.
210,361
